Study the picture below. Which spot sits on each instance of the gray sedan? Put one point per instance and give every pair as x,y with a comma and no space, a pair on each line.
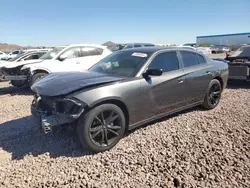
127,89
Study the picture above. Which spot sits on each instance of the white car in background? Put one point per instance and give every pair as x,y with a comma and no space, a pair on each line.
12,54
2,55
76,57
205,50
226,49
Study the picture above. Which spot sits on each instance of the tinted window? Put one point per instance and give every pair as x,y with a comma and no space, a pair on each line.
149,45
166,61
189,59
201,59
137,45
34,56
40,54
99,51
15,52
72,52
90,51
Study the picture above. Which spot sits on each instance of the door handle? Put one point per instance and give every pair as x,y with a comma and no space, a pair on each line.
208,72
77,62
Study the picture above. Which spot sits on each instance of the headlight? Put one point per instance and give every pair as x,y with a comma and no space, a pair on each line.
69,106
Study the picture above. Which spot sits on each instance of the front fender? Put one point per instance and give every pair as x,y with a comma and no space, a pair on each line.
105,99
33,70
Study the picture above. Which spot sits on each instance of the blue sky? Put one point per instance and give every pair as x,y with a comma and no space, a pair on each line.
54,22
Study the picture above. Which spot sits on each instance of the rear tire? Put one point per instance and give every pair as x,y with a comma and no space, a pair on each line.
36,77
101,128
213,95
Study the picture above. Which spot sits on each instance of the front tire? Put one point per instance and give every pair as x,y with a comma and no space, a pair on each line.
213,95
101,128
36,77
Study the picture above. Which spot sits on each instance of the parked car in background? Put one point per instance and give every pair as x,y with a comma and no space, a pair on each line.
226,49
12,54
9,70
76,57
205,50
216,49
137,45
2,54
239,64
127,89
15,69
117,47
130,45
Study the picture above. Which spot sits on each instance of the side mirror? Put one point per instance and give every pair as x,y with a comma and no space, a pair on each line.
152,72
62,57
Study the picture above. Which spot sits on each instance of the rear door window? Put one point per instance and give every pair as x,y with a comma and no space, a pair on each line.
201,59
137,46
30,57
189,59
90,51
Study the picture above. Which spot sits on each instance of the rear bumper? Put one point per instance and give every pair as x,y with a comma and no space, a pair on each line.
239,72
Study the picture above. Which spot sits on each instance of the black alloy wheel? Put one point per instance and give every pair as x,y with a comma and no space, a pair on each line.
213,95
102,127
105,128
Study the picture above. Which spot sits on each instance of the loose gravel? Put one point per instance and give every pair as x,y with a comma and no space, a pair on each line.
195,148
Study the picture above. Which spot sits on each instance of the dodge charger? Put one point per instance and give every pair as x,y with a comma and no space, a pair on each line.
125,90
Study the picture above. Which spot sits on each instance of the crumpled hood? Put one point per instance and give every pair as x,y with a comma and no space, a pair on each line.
3,63
65,82
20,63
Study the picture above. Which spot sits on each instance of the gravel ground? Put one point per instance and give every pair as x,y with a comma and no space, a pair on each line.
195,148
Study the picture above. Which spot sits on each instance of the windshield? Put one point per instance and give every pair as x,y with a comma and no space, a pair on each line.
121,63
52,53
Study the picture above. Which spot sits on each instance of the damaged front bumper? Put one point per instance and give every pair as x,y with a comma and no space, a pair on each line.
4,77
55,115
7,74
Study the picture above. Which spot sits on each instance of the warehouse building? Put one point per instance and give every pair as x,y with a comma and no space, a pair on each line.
226,39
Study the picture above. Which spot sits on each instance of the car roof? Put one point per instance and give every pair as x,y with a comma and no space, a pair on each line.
154,49
90,45
140,43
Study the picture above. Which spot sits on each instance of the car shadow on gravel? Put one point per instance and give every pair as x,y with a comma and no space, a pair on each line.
15,91
23,137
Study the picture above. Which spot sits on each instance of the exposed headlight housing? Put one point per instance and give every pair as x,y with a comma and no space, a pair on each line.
69,106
